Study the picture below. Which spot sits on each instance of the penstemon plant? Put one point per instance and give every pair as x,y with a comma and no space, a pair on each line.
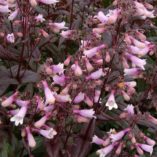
78,79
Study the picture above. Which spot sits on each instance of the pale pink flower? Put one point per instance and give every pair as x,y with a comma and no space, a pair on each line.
49,1
40,18
146,148
96,75
80,97
21,103
111,103
88,65
97,140
10,100
40,102
19,117
57,26
105,151
149,141
88,113
130,110
101,17
92,52
77,69
13,15
137,61
88,101
33,3
30,138
118,136
133,72
113,16
98,30
138,51
142,12
59,80
58,69
63,98
42,121
67,34
97,96
10,38
50,99
131,84
49,108
49,133
67,61
4,9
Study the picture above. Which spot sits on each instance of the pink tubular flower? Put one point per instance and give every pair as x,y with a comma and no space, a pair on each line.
92,52
41,121
30,138
130,110
118,136
138,51
11,38
77,69
49,134
19,117
96,75
40,102
67,34
56,27
101,17
59,80
146,148
105,151
33,3
88,113
40,18
142,12
67,61
58,69
133,72
112,16
7,102
22,102
111,103
137,61
88,65
97,140
149,141
98,30
13,15
97,96
49,1
50,99
80,97
88,101
4,9
63,98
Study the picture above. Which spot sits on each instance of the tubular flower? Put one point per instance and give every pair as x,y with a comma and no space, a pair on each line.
88,113
49,133
50,99
10,100
49,1
111,103
30,138
19,117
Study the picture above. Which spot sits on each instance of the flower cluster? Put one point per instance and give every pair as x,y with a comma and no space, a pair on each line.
94,84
